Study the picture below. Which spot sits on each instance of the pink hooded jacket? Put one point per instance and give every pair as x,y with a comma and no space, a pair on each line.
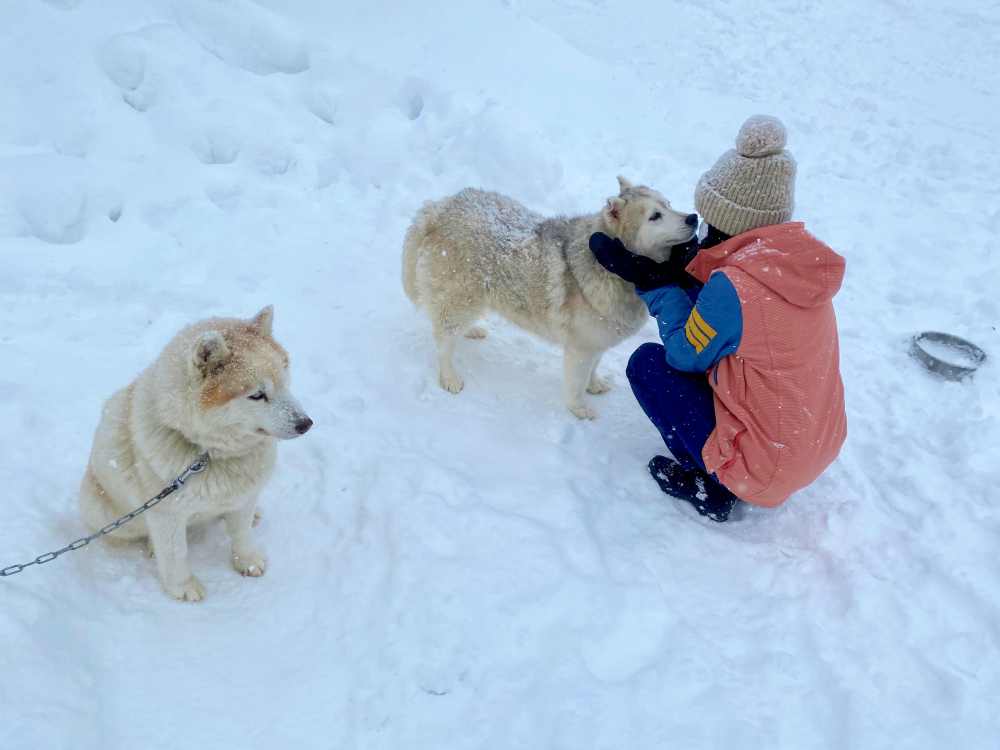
779,399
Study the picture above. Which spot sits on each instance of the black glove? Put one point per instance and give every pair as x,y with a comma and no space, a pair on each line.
644,272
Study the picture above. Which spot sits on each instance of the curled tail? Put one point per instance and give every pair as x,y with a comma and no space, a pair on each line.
410,267
416,235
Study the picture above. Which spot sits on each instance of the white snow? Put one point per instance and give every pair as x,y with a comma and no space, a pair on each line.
483,570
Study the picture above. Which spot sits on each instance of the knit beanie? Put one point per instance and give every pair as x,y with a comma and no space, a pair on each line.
752,185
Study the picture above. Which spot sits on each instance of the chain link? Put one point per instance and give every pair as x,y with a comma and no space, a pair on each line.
199,465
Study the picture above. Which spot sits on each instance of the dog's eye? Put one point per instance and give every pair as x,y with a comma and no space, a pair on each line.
258,396
656,217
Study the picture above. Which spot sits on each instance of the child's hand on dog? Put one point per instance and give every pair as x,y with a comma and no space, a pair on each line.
644,272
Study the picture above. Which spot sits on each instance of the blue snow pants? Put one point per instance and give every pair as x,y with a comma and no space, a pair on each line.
680,404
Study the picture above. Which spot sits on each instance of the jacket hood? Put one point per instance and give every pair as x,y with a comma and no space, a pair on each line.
785,258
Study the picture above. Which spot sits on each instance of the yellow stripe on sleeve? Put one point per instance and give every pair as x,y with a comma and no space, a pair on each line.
702,324
695,337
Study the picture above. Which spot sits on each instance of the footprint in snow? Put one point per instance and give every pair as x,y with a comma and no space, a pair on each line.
55,213
324,103
216,147
123,60
244,35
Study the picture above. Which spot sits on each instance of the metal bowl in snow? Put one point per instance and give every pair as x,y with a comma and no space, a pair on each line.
949,356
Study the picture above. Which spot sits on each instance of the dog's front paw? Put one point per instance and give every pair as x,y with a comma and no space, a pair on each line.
582,411
598,386
451,382
251,563
190,590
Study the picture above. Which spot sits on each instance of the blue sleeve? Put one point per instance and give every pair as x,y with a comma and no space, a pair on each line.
697,333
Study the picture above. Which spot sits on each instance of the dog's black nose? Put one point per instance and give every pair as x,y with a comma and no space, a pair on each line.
691,220
303,425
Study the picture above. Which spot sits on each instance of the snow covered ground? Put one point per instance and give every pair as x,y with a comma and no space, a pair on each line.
485,571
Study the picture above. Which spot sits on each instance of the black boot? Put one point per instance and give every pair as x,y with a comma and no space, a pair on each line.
707,496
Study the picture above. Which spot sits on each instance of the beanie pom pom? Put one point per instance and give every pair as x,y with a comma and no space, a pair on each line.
761,135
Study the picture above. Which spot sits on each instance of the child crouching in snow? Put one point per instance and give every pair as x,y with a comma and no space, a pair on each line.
746,388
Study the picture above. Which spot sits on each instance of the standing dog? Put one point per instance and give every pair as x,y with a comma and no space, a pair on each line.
478,251
222,386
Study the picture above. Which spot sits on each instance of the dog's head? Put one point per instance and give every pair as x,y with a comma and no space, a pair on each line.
241,376
644,221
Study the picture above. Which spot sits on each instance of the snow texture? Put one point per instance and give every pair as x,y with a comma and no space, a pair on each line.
483,570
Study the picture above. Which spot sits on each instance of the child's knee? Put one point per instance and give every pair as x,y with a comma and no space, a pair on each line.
649,358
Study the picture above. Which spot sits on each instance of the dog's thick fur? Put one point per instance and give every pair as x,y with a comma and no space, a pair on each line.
479,251
220,385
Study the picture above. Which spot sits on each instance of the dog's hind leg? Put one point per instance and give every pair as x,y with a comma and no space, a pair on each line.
450,380
597,384
578,367
97,511
448,327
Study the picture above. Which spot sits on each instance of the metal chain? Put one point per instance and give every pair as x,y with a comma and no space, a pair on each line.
198,466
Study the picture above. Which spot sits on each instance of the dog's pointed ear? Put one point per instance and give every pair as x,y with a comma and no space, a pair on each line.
613,211
623,184
264,320
210,352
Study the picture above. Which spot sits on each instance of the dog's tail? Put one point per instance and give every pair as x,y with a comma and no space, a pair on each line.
420,231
